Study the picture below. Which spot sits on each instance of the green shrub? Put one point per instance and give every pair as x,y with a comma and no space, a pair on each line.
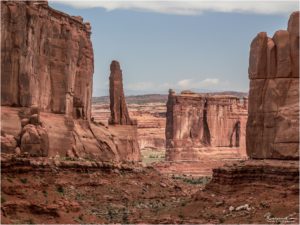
23,180
60,189
45,193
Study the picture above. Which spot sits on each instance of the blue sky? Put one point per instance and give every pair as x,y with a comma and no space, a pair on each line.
180,45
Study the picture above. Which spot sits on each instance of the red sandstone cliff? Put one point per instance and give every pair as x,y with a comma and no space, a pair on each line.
47,59
46,87
273,122
199,124
272,132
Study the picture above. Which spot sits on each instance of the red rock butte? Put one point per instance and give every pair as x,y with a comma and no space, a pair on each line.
47,69
273,122
47,59
203,126
272,132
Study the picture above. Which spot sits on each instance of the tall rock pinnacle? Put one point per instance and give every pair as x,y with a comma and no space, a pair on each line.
118,107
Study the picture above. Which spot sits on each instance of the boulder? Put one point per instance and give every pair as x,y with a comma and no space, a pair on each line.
34,140
24,122
34,119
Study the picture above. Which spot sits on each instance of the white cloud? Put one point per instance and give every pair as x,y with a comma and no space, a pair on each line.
194,84
210,82
192,7
185,84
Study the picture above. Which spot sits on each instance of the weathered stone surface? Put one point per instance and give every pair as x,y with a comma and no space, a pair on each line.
8,143
34,140
122,127
125,137
47,59
273,122
10,121
284,63
271,59
34,119
256,173
46,85
118,107
86,139
258,56
17,151
24,122
201,122
293,29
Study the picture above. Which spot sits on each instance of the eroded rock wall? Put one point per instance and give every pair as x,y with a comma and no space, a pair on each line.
273,122
46,59
46,87
197,125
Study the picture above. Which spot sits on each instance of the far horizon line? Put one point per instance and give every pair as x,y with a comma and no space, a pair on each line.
131,95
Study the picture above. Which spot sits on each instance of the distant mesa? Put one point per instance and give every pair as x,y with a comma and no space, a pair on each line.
187,92
203,126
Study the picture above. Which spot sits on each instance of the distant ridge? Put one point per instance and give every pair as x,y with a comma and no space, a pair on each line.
158,98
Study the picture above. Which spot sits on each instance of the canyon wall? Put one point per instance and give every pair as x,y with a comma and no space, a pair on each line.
272,132
273,122
46,59
203,125
46,87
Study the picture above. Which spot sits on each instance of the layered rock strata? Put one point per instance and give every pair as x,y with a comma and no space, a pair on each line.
272,133
250,172
273,122
200,125
151,122
47,59
46,86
